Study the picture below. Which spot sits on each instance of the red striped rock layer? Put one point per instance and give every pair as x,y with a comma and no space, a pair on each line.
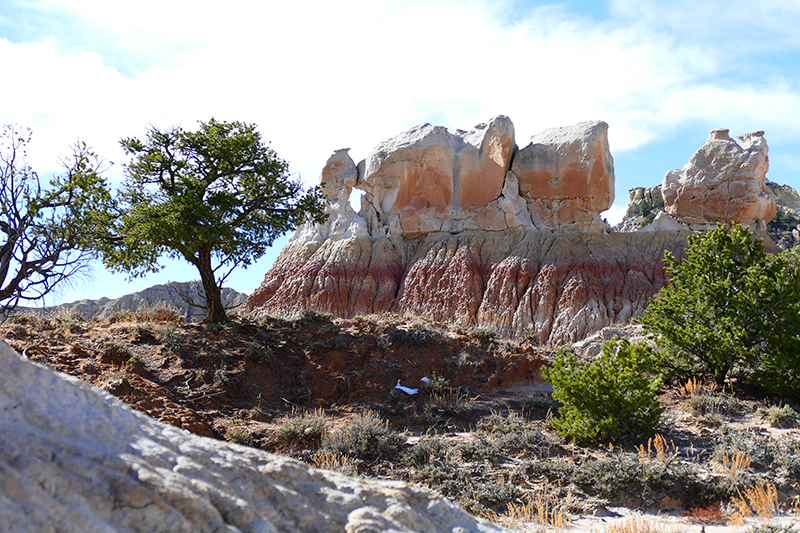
556,287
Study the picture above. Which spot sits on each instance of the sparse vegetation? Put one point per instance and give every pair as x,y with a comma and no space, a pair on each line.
779,416
366,437
301,430
496,456
485,334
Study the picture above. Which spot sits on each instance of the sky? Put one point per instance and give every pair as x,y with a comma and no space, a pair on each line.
316,76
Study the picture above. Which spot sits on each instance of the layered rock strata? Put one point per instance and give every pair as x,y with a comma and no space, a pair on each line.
466,228
75,460
556,287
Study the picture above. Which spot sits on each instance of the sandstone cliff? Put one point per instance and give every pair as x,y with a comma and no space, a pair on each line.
467,228
76,460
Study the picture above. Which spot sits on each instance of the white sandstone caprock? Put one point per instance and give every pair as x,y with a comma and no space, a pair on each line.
722,182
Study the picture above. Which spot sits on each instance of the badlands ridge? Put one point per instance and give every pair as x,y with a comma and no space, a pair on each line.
468,227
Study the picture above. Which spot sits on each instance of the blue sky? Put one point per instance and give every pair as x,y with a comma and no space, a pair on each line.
317,76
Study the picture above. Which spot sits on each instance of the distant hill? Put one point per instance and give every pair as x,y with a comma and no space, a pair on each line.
157,294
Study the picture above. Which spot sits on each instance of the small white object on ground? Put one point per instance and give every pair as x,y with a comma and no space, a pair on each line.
405,389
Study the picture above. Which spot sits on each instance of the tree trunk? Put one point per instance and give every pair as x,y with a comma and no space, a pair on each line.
215,312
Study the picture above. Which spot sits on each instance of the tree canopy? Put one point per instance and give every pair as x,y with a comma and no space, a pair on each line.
217,197
730,308
48,229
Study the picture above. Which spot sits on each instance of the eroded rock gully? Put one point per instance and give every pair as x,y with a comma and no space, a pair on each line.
555,287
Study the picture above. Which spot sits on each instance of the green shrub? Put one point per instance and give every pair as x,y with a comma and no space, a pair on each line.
779,416
414,335
258,353
608,399
312,315
300,431
484,334
169,337
712,403
729,308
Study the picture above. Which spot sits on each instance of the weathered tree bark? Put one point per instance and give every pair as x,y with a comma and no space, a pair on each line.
215,311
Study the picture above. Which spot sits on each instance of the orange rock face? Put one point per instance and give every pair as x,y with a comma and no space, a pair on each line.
427,178
571,164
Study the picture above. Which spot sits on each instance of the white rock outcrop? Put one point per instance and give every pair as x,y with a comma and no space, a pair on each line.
724,181
337,180
429,180
73,459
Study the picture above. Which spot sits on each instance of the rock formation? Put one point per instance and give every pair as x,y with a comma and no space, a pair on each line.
722,182
466,228
75,460
785,227
568,174
147,298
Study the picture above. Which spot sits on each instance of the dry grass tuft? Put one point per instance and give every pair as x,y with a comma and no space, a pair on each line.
161,312
541,508
759,500
735,464
333,461
695,387
657,446
636,524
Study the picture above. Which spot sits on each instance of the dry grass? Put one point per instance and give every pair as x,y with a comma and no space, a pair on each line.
332,461
541,508
759,500
162,313
657,449
695,387
735,464
637,524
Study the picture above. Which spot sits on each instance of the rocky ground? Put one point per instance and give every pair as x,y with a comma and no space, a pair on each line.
477,430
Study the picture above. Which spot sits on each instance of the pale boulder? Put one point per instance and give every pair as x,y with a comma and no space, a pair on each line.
724,181
74,459
338,177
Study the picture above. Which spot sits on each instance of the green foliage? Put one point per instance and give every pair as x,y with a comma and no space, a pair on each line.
216,197
779,416
649,212
729,308
608,399
301,431
484,334
314,316
712,403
